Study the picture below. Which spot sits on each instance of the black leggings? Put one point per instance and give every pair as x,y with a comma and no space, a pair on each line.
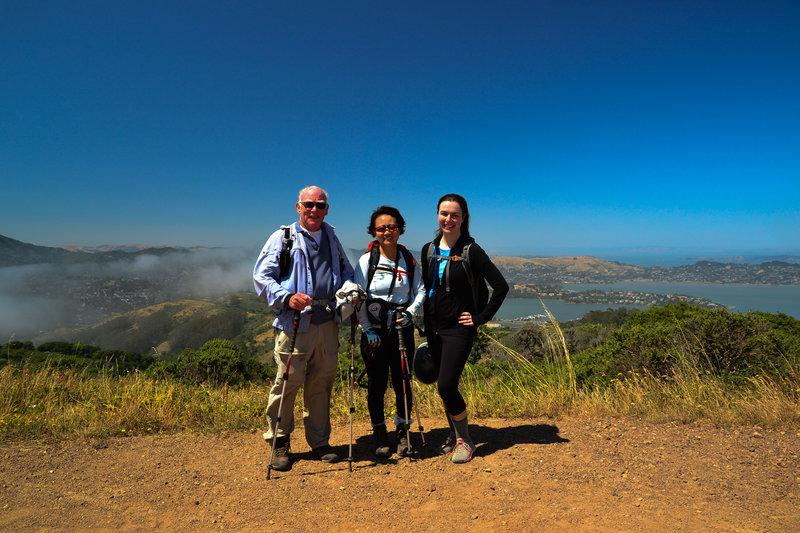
450,349
378,362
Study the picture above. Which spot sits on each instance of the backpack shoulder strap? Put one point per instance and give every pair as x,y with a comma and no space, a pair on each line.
411,265
285,258
429,252
470,275
374,257
465,261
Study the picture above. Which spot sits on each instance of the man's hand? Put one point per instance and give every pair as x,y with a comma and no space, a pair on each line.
300,301
465,319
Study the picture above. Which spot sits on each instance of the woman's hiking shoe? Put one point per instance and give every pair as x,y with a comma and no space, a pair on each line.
463,451
381,437
448,445
280,455
402,441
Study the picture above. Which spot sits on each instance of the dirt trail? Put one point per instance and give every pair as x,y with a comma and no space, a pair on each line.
527,475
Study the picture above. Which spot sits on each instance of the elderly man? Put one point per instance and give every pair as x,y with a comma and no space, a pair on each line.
315,267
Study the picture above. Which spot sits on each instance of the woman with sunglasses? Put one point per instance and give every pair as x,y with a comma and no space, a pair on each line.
393,283
455,271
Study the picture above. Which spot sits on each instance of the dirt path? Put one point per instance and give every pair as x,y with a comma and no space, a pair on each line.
528,475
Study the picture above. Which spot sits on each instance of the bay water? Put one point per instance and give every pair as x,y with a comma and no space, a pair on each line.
743,298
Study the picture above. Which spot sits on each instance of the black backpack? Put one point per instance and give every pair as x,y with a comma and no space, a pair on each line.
285,259
480,293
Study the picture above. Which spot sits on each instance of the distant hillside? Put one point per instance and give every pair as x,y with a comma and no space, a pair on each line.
575,269
570,264
167,329
127,248
15,253
548,271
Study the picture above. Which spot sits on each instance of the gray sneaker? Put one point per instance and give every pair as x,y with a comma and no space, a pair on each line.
448,445
463,451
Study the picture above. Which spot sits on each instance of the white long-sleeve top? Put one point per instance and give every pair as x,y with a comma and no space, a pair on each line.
402,293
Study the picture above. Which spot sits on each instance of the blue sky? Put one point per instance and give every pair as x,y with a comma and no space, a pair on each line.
571,127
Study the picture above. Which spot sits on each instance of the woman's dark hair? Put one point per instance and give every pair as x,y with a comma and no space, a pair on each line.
386,210
462,202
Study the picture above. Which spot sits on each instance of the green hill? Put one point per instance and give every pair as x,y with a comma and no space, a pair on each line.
168,328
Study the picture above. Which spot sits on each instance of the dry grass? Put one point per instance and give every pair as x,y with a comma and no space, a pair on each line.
61,403
58,404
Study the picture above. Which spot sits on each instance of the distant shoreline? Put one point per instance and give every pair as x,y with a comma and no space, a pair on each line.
650,280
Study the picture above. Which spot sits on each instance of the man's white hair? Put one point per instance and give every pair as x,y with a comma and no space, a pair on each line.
306,189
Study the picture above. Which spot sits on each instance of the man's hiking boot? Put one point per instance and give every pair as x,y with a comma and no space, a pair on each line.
462,453
326,454
402,441
448,445
382,449
280,455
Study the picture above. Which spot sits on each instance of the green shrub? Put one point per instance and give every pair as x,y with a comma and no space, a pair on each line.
217,362
713,341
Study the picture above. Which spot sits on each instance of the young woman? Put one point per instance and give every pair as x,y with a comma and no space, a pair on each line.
454,270
394,294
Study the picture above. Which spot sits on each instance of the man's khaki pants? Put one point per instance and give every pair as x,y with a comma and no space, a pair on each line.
314,367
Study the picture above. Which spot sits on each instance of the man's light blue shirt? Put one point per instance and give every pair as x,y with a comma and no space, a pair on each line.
276,291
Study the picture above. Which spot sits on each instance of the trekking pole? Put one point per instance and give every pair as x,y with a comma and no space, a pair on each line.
401,342
352,380
407,377
295,324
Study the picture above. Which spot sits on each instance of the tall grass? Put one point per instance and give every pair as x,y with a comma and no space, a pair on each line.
54,403
63,403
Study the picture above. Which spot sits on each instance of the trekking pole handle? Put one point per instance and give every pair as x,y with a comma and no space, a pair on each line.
401,341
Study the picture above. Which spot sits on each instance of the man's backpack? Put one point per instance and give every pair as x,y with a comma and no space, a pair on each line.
285,258
480,293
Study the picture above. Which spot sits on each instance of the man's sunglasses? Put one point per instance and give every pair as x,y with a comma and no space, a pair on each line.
310,205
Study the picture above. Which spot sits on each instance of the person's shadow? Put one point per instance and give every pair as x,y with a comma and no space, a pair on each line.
488,440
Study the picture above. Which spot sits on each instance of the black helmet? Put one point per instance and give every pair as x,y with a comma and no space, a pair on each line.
424,366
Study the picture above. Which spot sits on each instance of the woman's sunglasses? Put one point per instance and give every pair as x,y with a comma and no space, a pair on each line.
386,227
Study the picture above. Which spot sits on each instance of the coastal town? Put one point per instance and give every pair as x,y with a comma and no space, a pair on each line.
611,298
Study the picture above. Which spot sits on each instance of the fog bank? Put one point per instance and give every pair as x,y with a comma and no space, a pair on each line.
42,297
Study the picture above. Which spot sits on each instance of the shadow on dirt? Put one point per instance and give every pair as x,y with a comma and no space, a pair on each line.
487,439
490,440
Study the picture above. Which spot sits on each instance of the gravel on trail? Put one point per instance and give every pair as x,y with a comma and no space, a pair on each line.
570,474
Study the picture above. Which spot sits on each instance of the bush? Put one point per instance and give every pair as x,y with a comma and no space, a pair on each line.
217,362
717,342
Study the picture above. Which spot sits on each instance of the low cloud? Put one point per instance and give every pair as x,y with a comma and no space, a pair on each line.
39,298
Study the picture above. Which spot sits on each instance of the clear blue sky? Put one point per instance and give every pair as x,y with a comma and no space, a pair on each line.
572,127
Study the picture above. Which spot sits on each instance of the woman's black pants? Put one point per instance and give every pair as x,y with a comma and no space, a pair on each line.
450,349
379,362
